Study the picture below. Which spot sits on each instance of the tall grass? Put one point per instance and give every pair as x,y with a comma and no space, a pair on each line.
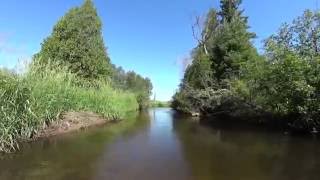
34,100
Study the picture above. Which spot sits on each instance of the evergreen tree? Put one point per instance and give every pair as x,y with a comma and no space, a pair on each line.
231,45
76,41
219,60
198,75
229,9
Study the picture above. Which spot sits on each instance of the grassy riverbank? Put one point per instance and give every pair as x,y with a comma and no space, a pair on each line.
71,72
36,99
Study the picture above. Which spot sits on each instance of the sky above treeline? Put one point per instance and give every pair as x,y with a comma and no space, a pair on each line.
151,37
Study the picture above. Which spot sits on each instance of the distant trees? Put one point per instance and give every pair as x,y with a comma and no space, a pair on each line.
227,74
76,41
130,81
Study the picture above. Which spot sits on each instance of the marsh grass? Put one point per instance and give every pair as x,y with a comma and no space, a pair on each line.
32,101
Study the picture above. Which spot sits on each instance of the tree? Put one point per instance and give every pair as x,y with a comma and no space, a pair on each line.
224,51
203,32
231,45
301,36
229,9
292,84
198,75
76,42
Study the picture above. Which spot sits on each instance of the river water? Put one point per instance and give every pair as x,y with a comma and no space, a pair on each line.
162,145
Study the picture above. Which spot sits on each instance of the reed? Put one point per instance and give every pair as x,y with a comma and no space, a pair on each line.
34,100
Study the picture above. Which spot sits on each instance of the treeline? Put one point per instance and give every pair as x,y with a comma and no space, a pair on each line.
72,72
130,81
228,76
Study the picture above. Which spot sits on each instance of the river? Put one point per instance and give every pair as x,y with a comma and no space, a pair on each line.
162,145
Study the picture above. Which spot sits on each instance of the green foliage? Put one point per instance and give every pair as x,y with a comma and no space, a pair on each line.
228,75
220,62
16,116
76,41
230,48
291,80
160,104
199,75
34,100
72,72
229,9
130,81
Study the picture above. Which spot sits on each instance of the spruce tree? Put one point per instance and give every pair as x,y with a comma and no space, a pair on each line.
231,45
76,41
229,9
219,60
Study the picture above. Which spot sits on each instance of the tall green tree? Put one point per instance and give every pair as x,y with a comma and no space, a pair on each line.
76,41
220,60
231,46
229,9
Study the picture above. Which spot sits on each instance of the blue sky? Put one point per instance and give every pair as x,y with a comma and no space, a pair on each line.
150,37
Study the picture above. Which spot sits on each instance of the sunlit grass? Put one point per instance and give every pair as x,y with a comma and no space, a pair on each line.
32,101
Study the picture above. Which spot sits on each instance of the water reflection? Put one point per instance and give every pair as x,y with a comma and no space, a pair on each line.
230,153
161,144
152,153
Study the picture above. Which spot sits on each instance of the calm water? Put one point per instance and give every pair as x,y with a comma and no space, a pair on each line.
160,145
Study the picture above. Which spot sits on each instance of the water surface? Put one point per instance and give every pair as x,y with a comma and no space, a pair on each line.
162,145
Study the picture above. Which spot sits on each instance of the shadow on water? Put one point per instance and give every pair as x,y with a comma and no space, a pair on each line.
160,144
228,151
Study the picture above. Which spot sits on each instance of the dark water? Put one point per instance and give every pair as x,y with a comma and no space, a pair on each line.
161,145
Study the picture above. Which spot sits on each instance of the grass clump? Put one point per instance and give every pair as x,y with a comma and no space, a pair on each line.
34,100
17,119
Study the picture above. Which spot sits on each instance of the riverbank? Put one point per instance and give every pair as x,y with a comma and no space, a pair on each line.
72,122
35,100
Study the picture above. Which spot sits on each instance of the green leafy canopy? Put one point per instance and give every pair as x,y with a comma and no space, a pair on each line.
76,41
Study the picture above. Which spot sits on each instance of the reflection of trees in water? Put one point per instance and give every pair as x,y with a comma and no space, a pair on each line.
231,153
71,156
54,158
300,160
138,121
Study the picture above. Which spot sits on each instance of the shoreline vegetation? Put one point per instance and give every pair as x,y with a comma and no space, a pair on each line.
71,74
279,86
35,100
160,104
